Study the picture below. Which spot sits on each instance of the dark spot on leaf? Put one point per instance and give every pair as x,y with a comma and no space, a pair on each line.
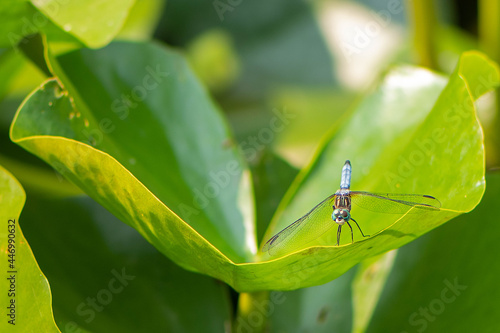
309,251
323,315
227,143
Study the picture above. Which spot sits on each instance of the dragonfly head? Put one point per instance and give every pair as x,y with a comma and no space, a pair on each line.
341,215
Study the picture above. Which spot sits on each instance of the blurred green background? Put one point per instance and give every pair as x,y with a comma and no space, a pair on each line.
315,60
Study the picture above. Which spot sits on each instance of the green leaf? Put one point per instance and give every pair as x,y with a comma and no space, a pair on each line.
39,179
22,20
20,76
142,20
25,297
146,148
272,176
16,24
10,65
159,123
367,286
106,278
325,308
443,275
95,23
343,305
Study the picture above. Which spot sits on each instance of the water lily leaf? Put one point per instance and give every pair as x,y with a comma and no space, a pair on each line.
26,295
134,129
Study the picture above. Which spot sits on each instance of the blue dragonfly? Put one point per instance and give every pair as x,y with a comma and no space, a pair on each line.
318,221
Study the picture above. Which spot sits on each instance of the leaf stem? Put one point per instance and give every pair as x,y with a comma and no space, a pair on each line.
252,314
489,37
423,17
489,27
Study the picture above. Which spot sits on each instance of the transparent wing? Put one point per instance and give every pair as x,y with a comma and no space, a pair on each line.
394,203
304,230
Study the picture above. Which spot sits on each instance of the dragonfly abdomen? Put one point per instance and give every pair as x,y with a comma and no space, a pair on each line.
345,181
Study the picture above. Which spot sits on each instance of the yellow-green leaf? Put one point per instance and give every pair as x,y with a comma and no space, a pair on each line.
25,297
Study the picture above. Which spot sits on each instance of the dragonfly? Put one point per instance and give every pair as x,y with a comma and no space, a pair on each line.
318,220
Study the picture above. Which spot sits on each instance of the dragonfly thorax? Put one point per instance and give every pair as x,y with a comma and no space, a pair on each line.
341,216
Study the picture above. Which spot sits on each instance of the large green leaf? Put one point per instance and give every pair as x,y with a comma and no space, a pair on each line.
25,297
106,278
447,281
94,22
159,123
272,177
145,145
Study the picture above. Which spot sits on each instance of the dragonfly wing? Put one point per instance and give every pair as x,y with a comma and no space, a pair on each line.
393,202
304,230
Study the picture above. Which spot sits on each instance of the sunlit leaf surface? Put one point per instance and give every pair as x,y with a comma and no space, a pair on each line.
26,298
95,23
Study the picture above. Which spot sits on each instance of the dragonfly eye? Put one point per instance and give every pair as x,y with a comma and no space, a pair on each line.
340,216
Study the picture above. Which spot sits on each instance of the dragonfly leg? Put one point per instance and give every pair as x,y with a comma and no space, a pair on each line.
338,234
352,235
360,228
